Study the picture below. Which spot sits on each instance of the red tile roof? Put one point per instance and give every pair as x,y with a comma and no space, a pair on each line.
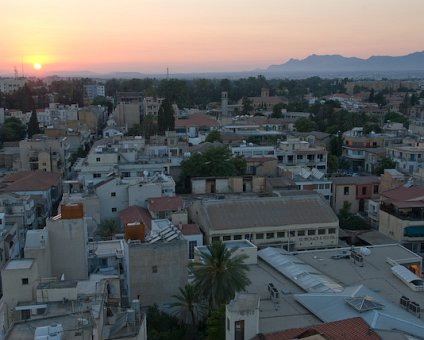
30,181
190,229
136,214
196,120
349,329
405,194
157,204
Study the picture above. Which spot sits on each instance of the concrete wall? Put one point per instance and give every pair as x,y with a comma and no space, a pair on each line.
111,205
56,295
339,198
68,246
156,271
139,193
198,186
393,227
14,290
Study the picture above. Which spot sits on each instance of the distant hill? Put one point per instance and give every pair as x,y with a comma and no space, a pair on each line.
337,63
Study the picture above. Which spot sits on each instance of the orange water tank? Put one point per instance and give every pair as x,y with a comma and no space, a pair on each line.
72,211
134,231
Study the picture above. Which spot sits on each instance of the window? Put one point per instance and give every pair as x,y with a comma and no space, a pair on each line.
97,175
375,189
332,230
259,236
346,190
301,233
269,235
98,159
154,269
364,190
292,233
311,232
191,245
226,238
215,239
125,174
25,281
228,324
281,234
321,231
237,237
113,209
113,194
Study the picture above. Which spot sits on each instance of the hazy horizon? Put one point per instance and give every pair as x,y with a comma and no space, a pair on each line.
189,36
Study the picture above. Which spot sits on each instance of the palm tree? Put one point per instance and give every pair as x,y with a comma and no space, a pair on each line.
188,304
107,228
219,274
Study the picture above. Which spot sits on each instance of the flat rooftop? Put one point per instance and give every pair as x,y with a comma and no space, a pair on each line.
375,275
19,264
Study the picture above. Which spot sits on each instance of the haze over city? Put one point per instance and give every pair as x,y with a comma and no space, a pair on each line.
199,36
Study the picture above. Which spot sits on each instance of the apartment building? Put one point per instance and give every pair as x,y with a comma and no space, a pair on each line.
125,157
401,216
94,90
356,190
151,105
297,153
408,158
355,145
9,85
129,109
21,210
46,154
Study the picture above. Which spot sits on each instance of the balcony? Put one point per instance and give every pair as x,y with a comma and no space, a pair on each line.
413,214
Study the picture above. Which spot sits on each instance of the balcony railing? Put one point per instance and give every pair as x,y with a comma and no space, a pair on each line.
417,214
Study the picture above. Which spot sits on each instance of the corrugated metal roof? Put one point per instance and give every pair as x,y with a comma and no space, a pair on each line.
405,274
302,274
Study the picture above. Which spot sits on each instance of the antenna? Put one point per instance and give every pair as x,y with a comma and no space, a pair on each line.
167,73
16,73
22,67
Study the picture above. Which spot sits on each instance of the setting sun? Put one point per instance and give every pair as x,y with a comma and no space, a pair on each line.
38,66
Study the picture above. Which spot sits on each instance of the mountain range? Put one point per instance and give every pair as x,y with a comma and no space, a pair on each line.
340,64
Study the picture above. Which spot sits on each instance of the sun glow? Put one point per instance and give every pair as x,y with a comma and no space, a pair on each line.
37,66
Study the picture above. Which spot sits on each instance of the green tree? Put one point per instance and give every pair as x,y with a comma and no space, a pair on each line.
166,119
188,305
216,161
33,125
247,106
163,326
108,228
216,324
103,101
219,274
276,110
304,124
12,130
384,163
213,136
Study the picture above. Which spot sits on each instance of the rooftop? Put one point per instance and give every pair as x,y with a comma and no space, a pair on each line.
135,214
268,211
30,181
19,264
349,329
244,302
190,229
355,180
196,120
405,194
158,204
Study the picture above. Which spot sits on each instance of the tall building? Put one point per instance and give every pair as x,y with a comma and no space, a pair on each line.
129,108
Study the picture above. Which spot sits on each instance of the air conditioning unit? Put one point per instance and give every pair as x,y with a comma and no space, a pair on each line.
404,302
414,307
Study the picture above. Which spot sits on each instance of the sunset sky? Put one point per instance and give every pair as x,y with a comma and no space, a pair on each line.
200,35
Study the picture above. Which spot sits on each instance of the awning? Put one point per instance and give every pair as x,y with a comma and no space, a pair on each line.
414,231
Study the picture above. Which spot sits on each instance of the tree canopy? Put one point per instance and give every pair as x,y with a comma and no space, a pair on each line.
12,130
166,119
216,161
219,274
33,125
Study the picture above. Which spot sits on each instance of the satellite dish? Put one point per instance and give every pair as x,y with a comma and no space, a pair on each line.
364,251
145,173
